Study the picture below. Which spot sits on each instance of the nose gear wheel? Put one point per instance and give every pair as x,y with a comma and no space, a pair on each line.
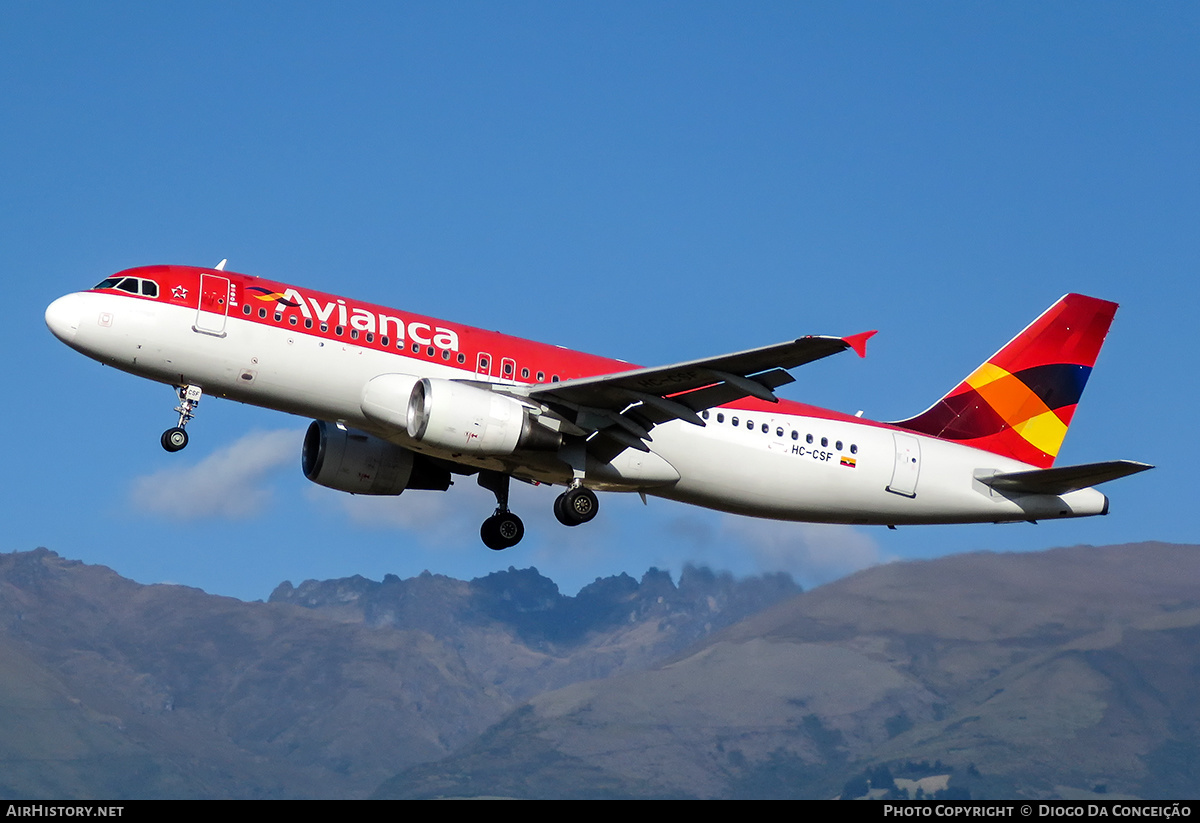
174,439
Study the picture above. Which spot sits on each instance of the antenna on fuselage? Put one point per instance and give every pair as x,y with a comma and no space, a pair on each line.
221,266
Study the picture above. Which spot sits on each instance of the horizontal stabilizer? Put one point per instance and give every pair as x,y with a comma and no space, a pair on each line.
1064,479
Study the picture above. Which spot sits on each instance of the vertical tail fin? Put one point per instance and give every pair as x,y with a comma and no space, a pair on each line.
1020,402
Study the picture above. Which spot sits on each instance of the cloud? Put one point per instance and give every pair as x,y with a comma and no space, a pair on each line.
813,553
414,509
235,483
443,519
229,483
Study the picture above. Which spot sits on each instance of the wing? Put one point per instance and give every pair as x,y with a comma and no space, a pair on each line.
625,406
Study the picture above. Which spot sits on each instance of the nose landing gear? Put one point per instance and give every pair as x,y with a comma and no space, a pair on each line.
176,438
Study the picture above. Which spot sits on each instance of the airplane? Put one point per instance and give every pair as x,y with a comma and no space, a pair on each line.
401,401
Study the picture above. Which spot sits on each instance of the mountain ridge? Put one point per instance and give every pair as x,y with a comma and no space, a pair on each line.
1067,672
325,697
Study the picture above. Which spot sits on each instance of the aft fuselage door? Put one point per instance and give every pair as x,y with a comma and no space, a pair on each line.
214,305
908,465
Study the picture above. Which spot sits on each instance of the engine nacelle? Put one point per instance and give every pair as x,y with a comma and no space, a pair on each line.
462,418
360,463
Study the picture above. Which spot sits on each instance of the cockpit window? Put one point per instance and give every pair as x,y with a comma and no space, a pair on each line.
133,285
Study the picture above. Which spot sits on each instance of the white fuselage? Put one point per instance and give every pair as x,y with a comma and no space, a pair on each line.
866,472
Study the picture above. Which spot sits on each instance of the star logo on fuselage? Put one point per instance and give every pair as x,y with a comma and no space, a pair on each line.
179,293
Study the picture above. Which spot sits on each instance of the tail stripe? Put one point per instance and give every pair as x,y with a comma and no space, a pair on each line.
994,400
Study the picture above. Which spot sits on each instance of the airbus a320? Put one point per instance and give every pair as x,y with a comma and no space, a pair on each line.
401,401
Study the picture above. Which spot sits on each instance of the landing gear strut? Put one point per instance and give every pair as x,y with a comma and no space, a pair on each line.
502,530
175,439
576,506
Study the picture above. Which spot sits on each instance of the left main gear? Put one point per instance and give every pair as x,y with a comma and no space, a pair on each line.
502,530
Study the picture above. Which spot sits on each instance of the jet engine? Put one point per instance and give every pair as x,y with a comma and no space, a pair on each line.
458,417
352,461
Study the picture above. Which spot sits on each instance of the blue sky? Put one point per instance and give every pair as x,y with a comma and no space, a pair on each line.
654,182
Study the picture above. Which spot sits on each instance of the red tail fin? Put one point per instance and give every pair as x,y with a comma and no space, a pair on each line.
1020,402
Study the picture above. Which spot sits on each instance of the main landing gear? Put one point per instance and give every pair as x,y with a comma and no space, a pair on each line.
576,506
175,439
502,530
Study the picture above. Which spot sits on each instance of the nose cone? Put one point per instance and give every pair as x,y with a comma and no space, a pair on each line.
62,316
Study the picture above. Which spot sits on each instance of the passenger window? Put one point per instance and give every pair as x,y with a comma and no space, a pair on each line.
853,449
825,442
541,377
750,425
262,312
308,322
720,417
795,434
838,445
704,414
446,354
524,374
733,420
385,341
779,432
808,439
246,309
429,351
462,358
353,333
292,319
